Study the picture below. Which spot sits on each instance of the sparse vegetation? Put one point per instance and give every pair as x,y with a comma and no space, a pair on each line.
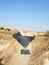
1,28
46,34
40,47
7,29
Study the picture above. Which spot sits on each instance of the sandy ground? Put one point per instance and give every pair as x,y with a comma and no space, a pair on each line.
23,59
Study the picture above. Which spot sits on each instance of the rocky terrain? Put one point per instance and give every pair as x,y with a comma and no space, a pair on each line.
40,51
10,48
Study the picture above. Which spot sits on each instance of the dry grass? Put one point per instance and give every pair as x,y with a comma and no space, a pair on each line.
40,50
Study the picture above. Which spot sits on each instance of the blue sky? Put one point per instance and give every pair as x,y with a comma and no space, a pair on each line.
25,14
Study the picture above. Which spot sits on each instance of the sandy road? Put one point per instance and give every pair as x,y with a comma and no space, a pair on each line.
23,59
20,60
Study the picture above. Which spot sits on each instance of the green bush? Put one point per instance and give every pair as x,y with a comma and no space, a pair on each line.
7,29
1,28
47,34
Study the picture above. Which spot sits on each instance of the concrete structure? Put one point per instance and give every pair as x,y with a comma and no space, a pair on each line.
25,48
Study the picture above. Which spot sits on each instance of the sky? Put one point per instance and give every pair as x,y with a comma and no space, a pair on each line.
30,15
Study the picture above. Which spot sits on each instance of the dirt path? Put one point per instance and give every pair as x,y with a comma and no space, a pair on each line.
23,59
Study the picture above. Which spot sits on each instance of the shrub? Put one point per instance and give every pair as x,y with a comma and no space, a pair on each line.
7,29
47,34
1,28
